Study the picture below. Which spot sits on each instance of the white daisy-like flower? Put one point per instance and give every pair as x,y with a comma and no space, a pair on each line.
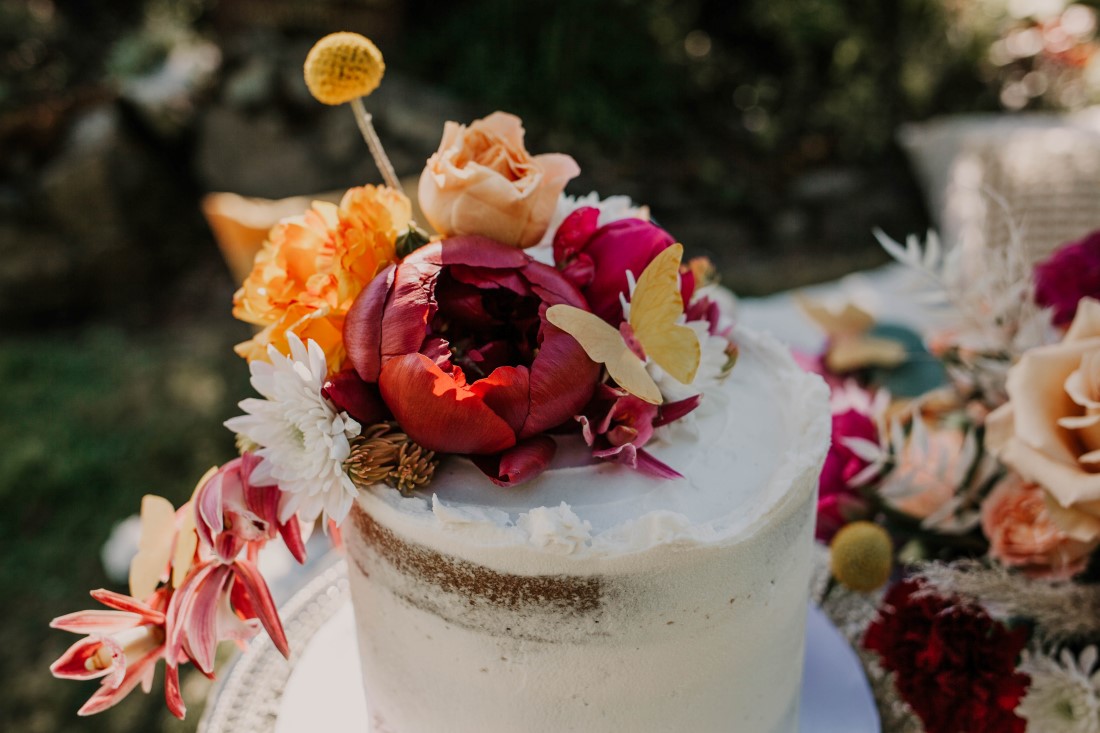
1064,696
303,439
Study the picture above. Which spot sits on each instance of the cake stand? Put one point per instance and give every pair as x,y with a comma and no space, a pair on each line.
321,689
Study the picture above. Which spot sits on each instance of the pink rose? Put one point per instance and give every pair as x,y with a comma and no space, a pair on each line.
1071,273
483,181
1049,430
457,340
597,258
1021,533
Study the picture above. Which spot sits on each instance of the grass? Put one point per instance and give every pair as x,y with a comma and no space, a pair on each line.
92,420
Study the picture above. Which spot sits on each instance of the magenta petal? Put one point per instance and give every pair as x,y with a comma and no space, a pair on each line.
363,326
673,411
650,466
350,394
520,463
573,234
263,604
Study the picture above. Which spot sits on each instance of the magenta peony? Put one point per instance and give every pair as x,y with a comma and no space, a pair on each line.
1071,273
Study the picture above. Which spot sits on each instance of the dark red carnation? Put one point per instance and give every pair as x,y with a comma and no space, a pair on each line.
953,664
1071,273
457,340
597,258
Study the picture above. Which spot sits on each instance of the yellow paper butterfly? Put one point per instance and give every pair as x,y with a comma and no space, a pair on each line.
655,308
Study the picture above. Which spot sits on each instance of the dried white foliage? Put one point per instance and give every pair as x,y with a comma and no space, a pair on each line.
1062,610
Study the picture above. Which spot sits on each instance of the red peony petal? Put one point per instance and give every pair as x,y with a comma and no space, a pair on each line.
347,390
523,462
363,326
506,391
474,251
437,412
562,381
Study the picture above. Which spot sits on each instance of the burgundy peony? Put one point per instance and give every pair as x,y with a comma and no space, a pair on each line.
838,502
1071,273
617,425
953,664
456,338
596,258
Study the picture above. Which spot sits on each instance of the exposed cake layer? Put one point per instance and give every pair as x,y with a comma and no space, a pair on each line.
598,600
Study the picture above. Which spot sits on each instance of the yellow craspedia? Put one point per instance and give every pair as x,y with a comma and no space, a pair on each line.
862,556
343,66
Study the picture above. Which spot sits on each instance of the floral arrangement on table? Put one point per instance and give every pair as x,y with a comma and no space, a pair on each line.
382,349
964,476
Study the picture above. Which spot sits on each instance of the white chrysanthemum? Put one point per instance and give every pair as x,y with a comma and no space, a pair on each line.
1064,696
713,360
303,439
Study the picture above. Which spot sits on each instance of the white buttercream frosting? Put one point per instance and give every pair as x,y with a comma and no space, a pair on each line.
595,598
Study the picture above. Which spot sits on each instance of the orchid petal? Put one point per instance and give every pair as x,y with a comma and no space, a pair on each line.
172,696
264,605
106,697
650,466
126,603
673,411
72,664
438,413
520,463
98,622
291,532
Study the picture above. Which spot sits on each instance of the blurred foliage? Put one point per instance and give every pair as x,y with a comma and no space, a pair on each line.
92,422
799,79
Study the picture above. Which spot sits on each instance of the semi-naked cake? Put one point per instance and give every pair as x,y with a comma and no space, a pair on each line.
595,598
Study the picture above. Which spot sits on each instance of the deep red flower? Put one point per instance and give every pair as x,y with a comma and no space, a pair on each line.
617,425
1071,273
596,258
954,665
457,340
838,500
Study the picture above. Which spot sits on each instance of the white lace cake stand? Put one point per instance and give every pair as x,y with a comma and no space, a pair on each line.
320,689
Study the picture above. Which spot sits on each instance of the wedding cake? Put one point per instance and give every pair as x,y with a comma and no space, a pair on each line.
595,598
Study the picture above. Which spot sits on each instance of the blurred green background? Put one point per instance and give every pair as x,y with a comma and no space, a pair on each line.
760,132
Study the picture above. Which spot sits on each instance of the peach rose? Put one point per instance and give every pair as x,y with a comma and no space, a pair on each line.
483,181
312,266
1022,534
1049,430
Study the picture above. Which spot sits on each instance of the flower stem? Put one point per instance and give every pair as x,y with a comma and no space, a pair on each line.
366,126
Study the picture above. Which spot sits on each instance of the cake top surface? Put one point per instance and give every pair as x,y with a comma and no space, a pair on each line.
752,442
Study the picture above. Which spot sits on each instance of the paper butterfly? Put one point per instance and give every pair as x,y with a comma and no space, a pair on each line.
652,331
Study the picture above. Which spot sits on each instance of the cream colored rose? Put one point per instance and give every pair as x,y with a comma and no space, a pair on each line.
483,181
1049,430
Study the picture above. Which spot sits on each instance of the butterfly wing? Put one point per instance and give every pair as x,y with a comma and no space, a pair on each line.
604,345
654,309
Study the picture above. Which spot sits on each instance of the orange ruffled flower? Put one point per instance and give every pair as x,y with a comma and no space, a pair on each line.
312,266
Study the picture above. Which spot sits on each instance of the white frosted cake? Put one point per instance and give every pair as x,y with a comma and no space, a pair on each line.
595,598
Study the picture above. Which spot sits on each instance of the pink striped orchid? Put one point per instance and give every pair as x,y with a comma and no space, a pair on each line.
233,514
122,646
217,602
